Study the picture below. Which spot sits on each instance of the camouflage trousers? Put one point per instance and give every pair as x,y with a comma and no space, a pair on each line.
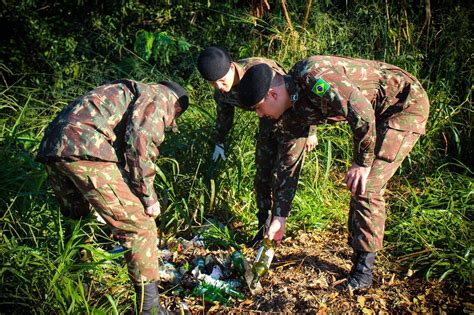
80,184
278,162
367,212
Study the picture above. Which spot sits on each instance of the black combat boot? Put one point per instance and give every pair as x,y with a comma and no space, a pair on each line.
263,222
361,274
151,300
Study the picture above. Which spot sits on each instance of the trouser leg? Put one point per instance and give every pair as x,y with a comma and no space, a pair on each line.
72,203
105,186
367,211
148,299
265,156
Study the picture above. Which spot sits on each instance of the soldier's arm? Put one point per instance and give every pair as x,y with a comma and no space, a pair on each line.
313,131
224,119
145,131
291,148
361,118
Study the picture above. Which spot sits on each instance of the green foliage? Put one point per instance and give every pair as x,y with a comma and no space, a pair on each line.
431,224
160,46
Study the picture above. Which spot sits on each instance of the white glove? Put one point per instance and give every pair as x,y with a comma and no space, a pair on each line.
218,152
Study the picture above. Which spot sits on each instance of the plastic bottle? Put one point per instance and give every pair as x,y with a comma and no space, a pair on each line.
234,283
262,261
238,262
117,249
216,272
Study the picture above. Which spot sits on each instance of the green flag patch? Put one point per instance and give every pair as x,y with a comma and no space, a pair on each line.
320,87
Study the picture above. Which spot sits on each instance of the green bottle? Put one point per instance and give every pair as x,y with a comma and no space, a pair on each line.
222,286
200,262
262,261
238,262
209,293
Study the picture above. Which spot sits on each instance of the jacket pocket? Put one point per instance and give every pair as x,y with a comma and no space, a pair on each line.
388,145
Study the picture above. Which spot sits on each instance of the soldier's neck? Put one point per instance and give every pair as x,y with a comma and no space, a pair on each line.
238,74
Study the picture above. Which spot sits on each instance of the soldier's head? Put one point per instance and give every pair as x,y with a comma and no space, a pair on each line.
215,66
180,99
263,90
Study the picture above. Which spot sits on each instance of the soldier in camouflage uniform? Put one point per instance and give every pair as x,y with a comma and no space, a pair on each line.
100,150
386,108
278,159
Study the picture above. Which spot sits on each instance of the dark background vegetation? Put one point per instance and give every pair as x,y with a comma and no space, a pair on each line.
53,51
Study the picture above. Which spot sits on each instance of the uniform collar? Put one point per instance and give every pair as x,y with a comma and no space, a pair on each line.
291,88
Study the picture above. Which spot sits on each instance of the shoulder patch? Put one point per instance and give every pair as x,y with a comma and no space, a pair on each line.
320,87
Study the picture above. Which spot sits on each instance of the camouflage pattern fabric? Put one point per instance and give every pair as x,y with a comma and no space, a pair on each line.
386,108
367,212
278,160
121,122
277,166
100,150
105,186
226,102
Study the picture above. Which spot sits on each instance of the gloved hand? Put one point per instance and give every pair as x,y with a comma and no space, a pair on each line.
218,152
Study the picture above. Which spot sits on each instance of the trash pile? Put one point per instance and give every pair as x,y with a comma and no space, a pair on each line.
188,268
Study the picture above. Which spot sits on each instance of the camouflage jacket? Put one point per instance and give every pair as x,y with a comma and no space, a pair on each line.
122,121
325,89
226,102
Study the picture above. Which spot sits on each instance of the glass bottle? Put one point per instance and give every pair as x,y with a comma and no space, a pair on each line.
238,262
220,285
262,261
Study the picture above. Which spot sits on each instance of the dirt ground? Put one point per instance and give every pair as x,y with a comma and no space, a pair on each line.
308,275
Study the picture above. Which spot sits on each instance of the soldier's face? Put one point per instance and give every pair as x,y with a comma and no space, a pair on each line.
273,105
225,83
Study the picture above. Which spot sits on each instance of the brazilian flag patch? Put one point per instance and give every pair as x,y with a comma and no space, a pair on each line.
320,87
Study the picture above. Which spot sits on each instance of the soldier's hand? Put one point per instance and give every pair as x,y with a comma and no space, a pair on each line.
276,230
311,143
356,179
154,210
218,152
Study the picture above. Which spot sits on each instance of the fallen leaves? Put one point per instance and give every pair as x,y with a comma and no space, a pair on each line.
309,271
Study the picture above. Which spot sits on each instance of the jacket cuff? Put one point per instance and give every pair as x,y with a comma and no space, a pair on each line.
313,131
364,159
149,200
281,210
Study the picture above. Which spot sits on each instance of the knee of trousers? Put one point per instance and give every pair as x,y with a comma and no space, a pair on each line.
369,202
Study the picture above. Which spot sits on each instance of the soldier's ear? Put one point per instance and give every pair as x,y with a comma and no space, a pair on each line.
177,110
272,93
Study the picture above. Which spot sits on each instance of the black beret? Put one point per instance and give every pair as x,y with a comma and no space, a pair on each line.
213,63
254,85
183,98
